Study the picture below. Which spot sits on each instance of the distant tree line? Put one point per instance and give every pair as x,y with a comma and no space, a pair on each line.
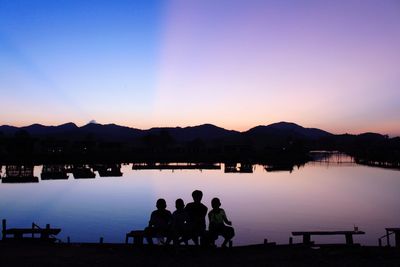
159,146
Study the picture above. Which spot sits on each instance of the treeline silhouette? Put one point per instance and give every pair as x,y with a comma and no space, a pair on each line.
279,143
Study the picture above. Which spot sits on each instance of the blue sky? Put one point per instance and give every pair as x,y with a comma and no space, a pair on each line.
76,55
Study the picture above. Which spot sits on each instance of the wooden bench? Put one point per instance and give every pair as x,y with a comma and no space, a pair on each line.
45,234
307,235
137,235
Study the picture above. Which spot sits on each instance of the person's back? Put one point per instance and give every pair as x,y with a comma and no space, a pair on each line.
179,223
217,218
159,223
196,212
160,219
179,216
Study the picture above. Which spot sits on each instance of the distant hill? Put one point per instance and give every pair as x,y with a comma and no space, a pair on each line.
8,130
204,132
285,129
113,132
38,129
110,132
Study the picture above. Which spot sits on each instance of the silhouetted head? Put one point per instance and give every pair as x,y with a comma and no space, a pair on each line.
161,204
197,195
215,203
179,204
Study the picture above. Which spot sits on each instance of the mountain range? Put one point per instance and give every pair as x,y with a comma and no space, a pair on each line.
113,132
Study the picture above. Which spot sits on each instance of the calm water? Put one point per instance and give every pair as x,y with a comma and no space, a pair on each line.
317,196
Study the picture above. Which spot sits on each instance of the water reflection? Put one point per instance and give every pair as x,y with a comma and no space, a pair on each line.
82,171
108,170
242,167
54,172
331,193
175,166
279,168
332,157
24,173
19,174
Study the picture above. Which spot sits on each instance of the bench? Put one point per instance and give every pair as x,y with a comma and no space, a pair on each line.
45,234
138,238
307,235
396,232
137,235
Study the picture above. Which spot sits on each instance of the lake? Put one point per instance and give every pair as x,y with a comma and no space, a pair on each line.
334,194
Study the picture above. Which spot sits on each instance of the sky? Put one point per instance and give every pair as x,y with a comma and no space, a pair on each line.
333,65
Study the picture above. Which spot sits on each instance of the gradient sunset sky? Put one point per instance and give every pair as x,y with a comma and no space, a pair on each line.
333,64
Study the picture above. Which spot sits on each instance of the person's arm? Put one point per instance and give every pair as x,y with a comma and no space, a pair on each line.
228,222
151,222
211,220
205,209
170,218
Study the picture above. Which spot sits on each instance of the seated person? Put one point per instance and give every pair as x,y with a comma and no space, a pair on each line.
159,224
196,212
217,227
179,227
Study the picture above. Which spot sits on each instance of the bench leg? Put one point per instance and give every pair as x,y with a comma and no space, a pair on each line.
18,236
4,224
397,239
349,239
45,236
387,238
138,240
306,239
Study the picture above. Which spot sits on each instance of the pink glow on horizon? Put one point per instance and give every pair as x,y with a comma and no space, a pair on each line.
246,65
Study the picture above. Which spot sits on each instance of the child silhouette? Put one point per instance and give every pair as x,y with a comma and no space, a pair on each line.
179,227
160,221
217,218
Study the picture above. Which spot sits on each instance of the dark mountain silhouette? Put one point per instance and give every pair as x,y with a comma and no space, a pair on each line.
205,132
8,130
113,132
285,129
39,129
110,132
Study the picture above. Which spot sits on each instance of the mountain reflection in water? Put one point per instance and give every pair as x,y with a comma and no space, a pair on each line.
263,201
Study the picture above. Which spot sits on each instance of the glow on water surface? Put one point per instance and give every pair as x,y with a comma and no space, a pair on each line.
317,196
